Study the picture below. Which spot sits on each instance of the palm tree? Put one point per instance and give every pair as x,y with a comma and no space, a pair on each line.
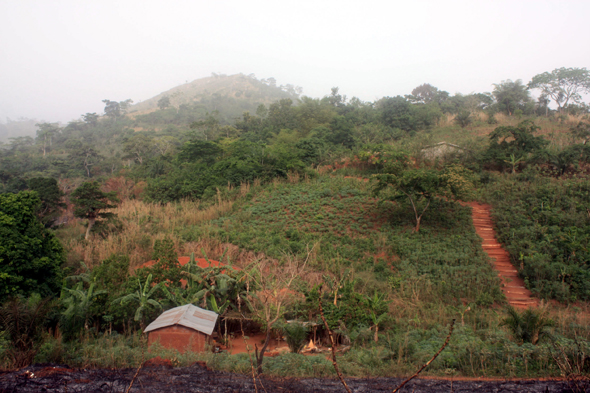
143,299
22,320
528,326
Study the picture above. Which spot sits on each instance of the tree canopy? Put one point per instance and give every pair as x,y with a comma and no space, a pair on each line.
563,85
30,255
90,203
419,186
511,96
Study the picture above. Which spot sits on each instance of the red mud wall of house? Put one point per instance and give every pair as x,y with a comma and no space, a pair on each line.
179,338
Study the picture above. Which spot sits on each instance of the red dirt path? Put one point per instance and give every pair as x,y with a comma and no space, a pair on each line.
512,285
239,346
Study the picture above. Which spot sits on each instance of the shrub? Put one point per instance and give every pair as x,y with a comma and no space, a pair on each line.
296,335
528,326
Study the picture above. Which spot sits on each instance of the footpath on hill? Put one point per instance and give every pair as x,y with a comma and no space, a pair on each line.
512,285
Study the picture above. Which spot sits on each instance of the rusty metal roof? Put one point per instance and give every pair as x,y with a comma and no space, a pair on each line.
188,316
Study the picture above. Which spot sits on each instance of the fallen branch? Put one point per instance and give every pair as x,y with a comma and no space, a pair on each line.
430,361
137,372
334,362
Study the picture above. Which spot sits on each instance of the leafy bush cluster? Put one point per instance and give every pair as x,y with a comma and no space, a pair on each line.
543,223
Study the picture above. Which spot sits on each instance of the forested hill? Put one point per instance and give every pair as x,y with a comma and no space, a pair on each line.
222,93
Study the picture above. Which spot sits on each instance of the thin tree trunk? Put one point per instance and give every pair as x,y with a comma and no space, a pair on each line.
91,222
376,333
86,166
332,342
260,355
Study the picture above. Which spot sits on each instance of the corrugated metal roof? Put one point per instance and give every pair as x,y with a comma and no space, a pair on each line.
188,316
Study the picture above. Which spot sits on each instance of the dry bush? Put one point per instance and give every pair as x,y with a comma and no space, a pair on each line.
480,116
505,120
121,185
573,320
244,189
324,169
572,120
141,224
293,177
447,120
215,249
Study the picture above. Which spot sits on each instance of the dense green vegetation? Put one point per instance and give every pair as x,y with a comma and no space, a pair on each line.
343,202
30,255
544,224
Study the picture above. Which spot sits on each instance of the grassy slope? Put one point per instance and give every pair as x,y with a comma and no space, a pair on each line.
444,261
429,277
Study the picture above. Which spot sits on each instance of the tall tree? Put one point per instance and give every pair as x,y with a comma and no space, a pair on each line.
273,295
82,154
164,102
209,127
45,133
114,109
90,202
139,147
21,142
511,96
420,186
510,145
426,94
90,118
396,112
562,85
51,198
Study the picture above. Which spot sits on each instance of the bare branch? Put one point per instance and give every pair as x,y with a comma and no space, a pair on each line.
334,362
430,361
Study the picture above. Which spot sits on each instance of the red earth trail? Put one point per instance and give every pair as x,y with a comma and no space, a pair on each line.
512,285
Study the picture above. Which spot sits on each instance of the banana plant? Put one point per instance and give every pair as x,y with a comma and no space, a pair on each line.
376,305
78,302
513,161
143,299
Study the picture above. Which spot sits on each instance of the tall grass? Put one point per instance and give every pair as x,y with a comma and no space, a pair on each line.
141,225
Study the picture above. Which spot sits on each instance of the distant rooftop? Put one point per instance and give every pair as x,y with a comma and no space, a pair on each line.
188,316
444,144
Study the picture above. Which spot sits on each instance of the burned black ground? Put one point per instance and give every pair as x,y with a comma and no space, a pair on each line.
196,378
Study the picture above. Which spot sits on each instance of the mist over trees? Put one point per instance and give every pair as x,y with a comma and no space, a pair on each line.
250,139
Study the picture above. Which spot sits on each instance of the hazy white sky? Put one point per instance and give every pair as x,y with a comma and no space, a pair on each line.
61,58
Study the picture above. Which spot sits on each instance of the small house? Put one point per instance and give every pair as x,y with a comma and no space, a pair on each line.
182,328
441,150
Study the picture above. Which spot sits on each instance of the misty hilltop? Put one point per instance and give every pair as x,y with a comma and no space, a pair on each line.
246,90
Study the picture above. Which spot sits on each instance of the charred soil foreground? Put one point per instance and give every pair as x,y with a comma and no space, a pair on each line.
197,378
